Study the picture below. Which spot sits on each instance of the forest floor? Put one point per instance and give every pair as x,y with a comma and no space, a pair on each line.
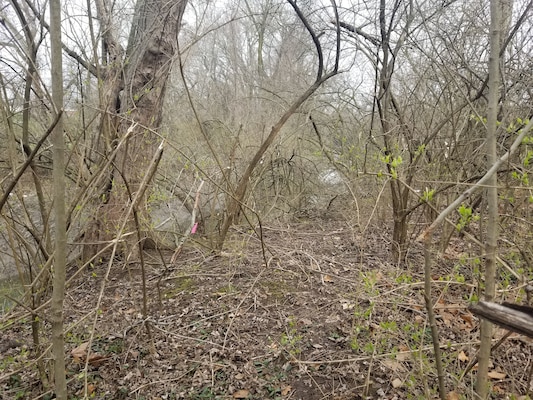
314,311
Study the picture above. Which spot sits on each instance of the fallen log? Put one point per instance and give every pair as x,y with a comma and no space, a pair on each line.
513,317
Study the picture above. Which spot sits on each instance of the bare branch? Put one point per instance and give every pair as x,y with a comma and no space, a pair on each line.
359,32
28,161
86,64
314,36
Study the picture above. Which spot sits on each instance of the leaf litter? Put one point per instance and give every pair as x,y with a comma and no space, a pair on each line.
324,316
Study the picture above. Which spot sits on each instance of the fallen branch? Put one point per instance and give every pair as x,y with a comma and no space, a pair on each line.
513,317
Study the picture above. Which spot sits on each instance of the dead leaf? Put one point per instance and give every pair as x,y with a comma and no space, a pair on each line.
499,390
403,347
462,356
80,352
403,356
454,308
347,306
452,396
468,318
393,365
129,375
286,390
241,394
447,318
496,375
331,319
91,388
96,360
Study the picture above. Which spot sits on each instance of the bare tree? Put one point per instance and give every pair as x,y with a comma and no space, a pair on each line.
322,75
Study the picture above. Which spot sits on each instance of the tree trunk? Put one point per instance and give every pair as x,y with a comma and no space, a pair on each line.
138,81
151,49
60,229
384,101
492,195
399,236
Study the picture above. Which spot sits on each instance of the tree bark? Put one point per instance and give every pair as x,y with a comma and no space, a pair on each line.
492,195
151,49
137,80
513,317
60,253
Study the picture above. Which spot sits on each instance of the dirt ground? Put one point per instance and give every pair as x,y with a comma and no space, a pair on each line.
314,311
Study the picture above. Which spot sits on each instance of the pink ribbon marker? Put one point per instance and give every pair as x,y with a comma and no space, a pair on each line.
194,228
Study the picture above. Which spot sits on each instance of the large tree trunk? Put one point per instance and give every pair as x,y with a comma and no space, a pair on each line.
151,49
137,81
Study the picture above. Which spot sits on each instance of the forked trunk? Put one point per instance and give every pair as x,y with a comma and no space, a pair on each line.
145,70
